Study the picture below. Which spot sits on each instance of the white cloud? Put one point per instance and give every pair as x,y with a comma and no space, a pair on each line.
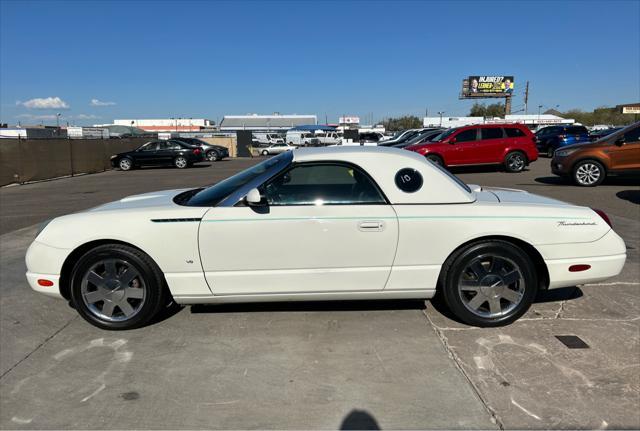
84,117
44,103
37,117
96,102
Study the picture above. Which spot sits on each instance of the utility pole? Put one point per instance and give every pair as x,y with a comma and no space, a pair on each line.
440,114
526,98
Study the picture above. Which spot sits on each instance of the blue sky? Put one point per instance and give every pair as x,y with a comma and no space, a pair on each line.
208,59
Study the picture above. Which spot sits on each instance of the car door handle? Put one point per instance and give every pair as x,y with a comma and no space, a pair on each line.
371,225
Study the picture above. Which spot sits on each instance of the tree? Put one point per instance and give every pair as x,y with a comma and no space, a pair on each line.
402,123
602,115
482,110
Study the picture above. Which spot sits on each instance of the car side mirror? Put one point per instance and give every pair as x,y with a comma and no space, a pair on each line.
253,198
620,141
452,141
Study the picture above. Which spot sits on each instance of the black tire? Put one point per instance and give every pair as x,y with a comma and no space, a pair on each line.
149,278
435,159
265,152
456,268
550,151
515,161
181,162
125,164
212,156
588,173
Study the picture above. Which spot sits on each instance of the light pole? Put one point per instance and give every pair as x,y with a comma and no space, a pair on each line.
440,114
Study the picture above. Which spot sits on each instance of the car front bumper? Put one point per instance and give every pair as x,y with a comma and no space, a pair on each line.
45,263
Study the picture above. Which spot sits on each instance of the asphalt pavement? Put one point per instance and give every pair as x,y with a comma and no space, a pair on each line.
347,365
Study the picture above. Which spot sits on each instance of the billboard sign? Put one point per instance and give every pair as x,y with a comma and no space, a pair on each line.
631,109
349,120
480,86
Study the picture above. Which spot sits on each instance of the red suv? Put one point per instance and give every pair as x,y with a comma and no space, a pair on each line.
511,145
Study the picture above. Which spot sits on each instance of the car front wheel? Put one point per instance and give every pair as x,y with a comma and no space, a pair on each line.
515,162
115,286
489,283
125,164
180,162
265,153
588,173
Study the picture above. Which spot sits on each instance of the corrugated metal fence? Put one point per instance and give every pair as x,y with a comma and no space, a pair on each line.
23,160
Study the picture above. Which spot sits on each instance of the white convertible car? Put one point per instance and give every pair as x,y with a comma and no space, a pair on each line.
323,224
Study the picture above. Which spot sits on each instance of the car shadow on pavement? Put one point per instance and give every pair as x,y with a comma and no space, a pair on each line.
302,306
612,181
548,295
632,196
478,169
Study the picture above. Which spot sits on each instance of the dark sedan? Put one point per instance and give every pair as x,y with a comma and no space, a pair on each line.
211,152
159,153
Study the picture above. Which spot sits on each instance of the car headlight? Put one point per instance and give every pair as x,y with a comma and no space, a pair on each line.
42,226
113,157
563,153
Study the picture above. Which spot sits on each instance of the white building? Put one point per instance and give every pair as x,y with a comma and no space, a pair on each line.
167,124
266,122
532,121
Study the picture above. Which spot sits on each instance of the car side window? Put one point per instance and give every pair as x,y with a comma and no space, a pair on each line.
151,146
513,132
467,135
491,133
323,184
168,145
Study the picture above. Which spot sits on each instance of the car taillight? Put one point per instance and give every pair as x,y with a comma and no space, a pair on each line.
197,151
604,216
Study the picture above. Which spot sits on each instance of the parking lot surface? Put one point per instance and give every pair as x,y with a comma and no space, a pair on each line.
349,365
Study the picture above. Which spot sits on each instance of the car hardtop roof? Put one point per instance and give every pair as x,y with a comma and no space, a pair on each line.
351,153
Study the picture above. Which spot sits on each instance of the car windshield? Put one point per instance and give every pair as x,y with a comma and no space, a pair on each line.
213,195
443,135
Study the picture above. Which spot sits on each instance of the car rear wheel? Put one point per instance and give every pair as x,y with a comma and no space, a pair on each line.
212,156
180,162
515,161
489,283
115,286
125,164
588,173
436,160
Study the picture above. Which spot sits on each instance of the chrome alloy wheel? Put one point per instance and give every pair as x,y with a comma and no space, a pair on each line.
181,162
113,290
125,164
516,162
491,286
588,173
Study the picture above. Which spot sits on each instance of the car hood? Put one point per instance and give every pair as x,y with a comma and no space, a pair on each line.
155,199
598,143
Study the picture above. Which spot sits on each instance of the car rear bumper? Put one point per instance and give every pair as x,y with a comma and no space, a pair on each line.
605,258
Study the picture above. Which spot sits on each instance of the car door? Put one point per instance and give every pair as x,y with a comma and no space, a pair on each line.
147,154
324,227
462,151
490,147
167,150
626,154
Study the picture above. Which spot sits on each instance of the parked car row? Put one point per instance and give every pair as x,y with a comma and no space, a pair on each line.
181,153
